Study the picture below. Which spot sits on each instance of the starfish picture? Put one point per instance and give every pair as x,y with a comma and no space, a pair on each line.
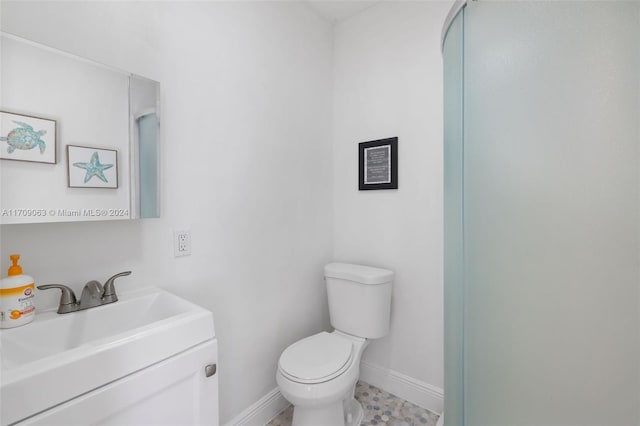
94,168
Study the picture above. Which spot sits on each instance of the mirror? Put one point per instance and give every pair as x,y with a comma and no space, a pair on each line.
79,141
144,96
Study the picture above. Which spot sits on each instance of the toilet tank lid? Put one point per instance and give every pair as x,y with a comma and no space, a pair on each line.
358,273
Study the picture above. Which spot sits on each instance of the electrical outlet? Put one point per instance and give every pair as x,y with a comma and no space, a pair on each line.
181,242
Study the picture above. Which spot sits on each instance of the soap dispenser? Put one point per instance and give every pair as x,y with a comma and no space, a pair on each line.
16,297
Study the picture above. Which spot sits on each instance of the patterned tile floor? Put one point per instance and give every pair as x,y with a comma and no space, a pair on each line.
380,408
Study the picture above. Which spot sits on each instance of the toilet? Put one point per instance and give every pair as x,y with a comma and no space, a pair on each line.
318,374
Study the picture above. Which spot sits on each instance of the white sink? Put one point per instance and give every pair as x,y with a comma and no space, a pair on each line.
60,356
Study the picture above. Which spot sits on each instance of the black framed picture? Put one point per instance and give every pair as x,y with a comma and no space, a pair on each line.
378,164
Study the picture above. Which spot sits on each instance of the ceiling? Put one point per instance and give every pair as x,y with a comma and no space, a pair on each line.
336,10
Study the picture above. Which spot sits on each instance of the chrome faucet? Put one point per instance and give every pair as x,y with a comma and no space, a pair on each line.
93,294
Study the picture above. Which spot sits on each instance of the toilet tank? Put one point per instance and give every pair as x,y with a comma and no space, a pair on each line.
359,299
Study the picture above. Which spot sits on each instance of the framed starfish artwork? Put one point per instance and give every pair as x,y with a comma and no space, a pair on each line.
92,167
27,138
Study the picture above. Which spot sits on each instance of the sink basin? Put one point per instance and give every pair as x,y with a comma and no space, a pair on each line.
86,349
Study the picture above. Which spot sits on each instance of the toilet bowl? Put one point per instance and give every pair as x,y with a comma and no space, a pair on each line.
318,374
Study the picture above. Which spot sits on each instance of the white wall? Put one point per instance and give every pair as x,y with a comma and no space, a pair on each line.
246,161
388,82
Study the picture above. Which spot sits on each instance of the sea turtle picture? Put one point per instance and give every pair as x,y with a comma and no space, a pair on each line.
25,138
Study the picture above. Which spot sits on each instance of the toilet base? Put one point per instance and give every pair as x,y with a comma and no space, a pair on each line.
342,413
353,412
313,416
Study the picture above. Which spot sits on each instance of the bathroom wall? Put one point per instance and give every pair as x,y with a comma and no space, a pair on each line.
388,82
246,164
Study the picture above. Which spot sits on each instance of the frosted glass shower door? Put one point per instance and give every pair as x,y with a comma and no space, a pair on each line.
551,183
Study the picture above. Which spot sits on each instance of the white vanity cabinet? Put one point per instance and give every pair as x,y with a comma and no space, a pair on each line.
173,392
149,359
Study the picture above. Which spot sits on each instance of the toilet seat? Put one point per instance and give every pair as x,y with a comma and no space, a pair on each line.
316,359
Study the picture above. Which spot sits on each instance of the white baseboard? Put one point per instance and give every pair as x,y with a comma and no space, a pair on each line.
403,386
262,411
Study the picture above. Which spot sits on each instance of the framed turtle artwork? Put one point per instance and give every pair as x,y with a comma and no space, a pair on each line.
92,167
27,138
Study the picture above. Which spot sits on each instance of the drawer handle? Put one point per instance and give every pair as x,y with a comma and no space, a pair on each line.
210,370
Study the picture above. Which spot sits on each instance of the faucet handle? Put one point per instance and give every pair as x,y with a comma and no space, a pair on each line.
109,292
67,297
